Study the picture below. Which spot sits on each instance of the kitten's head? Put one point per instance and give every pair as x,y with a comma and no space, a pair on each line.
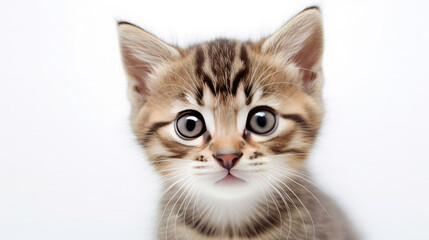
228,118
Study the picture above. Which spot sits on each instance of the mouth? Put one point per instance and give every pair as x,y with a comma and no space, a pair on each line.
230,180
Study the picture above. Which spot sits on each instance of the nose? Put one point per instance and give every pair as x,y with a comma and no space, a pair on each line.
227,160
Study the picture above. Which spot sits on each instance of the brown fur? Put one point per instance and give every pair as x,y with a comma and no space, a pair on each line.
224,76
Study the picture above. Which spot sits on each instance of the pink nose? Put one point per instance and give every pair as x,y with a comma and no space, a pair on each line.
227,160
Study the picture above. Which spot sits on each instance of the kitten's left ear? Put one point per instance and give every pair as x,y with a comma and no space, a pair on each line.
300,40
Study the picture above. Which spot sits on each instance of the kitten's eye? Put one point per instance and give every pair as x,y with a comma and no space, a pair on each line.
261,120
190,124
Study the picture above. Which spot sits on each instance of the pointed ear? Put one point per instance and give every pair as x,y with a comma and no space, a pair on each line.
142,53
300,40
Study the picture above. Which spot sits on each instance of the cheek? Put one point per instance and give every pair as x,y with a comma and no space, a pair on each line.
283,168
196,150
173,169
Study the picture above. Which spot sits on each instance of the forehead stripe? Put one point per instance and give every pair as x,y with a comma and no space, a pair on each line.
243,72
199,62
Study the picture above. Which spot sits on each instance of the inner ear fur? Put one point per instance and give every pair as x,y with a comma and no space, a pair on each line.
299,41
142,53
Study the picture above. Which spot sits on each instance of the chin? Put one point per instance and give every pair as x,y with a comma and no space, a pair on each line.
229,187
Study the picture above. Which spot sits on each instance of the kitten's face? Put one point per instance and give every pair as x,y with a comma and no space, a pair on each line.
266,119
226,119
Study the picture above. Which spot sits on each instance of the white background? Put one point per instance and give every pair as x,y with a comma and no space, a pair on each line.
69,165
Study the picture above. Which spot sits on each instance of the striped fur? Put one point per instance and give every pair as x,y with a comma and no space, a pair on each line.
223,80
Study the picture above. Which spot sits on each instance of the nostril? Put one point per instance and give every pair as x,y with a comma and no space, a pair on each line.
227,160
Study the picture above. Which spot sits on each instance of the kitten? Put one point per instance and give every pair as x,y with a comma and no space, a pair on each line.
228,125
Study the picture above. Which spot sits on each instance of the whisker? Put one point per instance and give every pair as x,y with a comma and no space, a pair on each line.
186,209
197,205
266,199
285,82
287,207
171,198
163,212
180,207
293,202
268,190
194,88
305,188
170,169
174,160
305,69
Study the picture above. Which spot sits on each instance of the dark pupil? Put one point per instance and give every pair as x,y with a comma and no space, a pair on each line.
190,124
261,120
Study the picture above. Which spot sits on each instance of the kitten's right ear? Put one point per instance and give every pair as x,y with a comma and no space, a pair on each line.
142,53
